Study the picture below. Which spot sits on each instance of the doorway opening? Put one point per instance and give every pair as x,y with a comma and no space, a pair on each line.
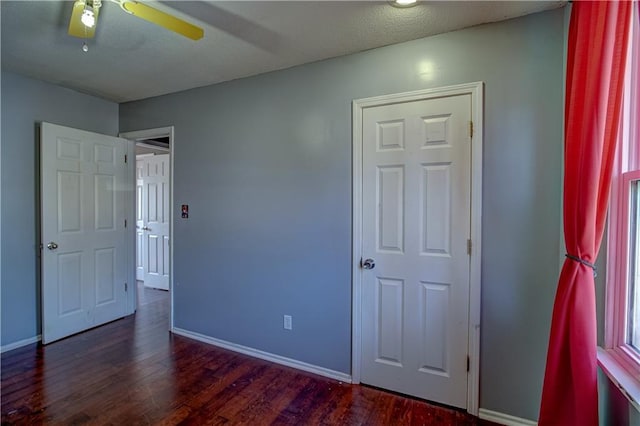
153,213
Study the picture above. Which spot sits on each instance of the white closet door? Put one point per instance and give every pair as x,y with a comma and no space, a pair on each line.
416,222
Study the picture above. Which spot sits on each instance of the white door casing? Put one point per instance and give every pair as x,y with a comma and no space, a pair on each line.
136,137
84,193
155,220
414,215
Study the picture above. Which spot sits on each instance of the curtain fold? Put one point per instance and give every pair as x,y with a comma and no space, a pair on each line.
597,44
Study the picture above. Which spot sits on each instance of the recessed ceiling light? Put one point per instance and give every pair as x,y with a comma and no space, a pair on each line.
403,3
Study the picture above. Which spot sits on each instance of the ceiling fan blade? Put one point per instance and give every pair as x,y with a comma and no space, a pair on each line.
163,19
76,27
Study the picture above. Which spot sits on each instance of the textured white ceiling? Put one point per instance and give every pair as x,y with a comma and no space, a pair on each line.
132,59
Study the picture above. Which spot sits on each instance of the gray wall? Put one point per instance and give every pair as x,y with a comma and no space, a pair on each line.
24,103
265,165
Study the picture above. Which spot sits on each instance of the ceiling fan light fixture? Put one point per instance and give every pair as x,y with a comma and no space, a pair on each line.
88,17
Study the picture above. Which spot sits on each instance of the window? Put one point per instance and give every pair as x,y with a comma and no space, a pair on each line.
621,360
633,277
624,265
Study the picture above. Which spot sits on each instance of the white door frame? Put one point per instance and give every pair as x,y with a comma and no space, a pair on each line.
139,135
476,92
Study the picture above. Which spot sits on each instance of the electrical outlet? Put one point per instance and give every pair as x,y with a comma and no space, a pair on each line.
287,322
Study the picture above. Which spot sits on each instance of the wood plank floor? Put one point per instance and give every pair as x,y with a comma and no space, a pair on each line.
133,371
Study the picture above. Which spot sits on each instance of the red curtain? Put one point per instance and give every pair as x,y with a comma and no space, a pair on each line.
598,35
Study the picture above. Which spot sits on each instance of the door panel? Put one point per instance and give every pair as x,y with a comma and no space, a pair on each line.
105,276
391,205
83,212
434,301
435,214
389,320
69,294
105,202
152,250
416,221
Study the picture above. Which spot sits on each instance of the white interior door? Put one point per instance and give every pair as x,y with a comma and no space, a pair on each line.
416,204
84,254
155,213
140,240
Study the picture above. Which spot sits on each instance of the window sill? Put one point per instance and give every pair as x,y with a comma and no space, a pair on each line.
615,370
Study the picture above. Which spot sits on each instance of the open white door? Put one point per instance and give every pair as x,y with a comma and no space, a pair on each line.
140,248
154,179
416,216
84,193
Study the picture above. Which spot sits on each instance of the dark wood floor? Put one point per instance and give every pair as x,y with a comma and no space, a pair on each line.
133,371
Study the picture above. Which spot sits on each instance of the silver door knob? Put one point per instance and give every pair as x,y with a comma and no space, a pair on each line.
368,264
146,228
52,246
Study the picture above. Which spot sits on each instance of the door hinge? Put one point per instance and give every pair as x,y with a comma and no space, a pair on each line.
468,363
471,129
469,245
125,159
126,288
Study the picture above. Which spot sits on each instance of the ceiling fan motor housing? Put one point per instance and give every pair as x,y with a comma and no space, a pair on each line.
84,18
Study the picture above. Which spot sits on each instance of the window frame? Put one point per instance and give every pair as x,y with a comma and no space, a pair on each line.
618,278
619,360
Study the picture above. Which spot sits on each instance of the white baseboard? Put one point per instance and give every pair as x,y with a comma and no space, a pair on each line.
20,343
504,419
289,362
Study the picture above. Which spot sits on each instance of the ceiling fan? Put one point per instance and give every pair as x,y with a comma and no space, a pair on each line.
85,17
